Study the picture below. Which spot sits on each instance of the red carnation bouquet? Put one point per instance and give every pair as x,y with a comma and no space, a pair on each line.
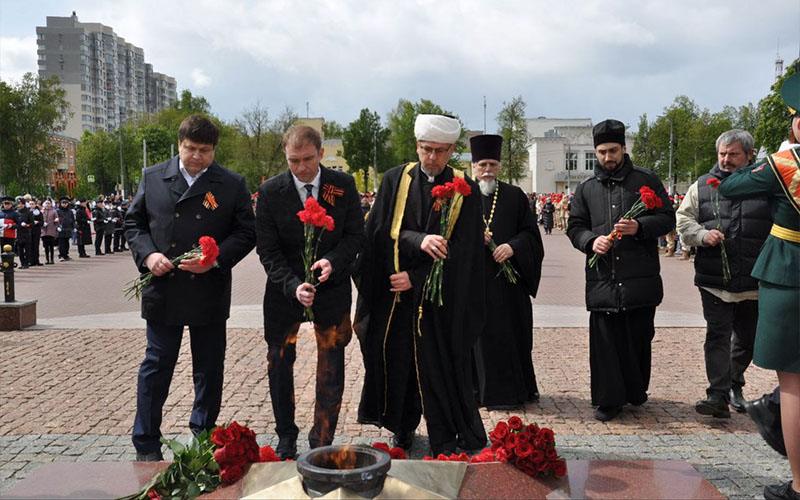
211,458
395,452
648,200
313,216
207,250
443,195
532,449
726,268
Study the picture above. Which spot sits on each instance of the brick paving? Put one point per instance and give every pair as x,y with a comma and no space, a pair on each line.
69,394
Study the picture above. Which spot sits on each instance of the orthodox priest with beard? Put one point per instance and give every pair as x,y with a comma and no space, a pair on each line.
503,364
417,354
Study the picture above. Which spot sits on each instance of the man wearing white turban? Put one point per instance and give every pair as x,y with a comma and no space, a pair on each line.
417,354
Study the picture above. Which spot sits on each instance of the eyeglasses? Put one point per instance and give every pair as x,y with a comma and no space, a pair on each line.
427,150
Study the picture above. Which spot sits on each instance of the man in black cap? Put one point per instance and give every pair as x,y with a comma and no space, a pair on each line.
624,287
503,364
66,223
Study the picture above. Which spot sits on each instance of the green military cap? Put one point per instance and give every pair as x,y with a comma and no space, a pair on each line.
790,93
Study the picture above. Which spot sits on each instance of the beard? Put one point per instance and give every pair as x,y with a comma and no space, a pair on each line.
430,172
487,187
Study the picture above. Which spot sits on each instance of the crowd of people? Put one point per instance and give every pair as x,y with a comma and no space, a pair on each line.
32,226
445,267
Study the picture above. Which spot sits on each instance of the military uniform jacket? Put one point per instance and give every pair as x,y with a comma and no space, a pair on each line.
169,217
281,242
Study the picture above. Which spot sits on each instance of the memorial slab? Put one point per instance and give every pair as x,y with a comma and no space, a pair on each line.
639,479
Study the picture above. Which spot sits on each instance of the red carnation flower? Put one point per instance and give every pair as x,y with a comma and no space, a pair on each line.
532,428
397,453
559,468
511,441
461,186
713,182
546,434
537,456
267,454
230,475
551,454
515,423
153,494
501,430
525,436
502,455
210,250
221,436
523,449
381,446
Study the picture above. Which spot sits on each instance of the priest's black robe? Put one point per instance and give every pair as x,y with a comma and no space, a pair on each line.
504,368
421,365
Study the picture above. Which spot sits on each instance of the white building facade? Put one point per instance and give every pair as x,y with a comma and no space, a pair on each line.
561,154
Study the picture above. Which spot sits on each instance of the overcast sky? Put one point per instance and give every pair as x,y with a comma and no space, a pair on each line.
568,59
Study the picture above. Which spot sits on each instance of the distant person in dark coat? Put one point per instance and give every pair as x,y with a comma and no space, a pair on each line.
66,223
177,202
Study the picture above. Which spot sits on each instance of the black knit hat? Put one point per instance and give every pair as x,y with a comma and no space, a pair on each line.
486,147
609,131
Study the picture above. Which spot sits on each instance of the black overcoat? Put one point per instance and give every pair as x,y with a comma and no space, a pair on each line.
82,224
169,217
628,276
280,243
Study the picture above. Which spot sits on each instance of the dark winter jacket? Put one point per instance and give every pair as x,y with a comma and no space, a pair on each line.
627,277
745,223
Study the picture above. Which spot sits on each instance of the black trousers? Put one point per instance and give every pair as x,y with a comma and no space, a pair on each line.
109,237
24,249
281,355
620,356
119,240
98,241
155,374
36,236
48,242
730,334
63,247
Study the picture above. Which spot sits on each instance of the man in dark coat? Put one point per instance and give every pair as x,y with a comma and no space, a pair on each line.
36,232
24,233
99,216
84,229
624,287
730,304
503,364
548,215
417,353
66,223
280,245
178,202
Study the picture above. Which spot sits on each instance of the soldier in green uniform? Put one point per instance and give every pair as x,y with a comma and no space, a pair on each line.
777,344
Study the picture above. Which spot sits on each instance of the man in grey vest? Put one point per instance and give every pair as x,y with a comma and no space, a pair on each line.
730,303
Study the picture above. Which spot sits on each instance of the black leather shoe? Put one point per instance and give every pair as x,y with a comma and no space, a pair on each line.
154,456
768,422
713,406
287,448
403,440
781,492
737,399
606,413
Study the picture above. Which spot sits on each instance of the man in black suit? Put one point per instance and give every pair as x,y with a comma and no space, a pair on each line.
179,201
280,243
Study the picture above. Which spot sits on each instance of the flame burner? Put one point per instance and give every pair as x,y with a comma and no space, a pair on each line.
360,469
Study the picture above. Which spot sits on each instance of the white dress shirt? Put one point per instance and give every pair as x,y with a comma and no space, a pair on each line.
189,179
301,186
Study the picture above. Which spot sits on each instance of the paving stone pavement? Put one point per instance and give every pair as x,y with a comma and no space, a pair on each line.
69,386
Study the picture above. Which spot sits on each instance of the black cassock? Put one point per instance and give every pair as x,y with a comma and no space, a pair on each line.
504,368
421,365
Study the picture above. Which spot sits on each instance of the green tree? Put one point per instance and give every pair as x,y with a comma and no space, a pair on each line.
29,112
99,155
773,116
190,104
260,143
401,126
332,130
159,142
516,139
363,145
